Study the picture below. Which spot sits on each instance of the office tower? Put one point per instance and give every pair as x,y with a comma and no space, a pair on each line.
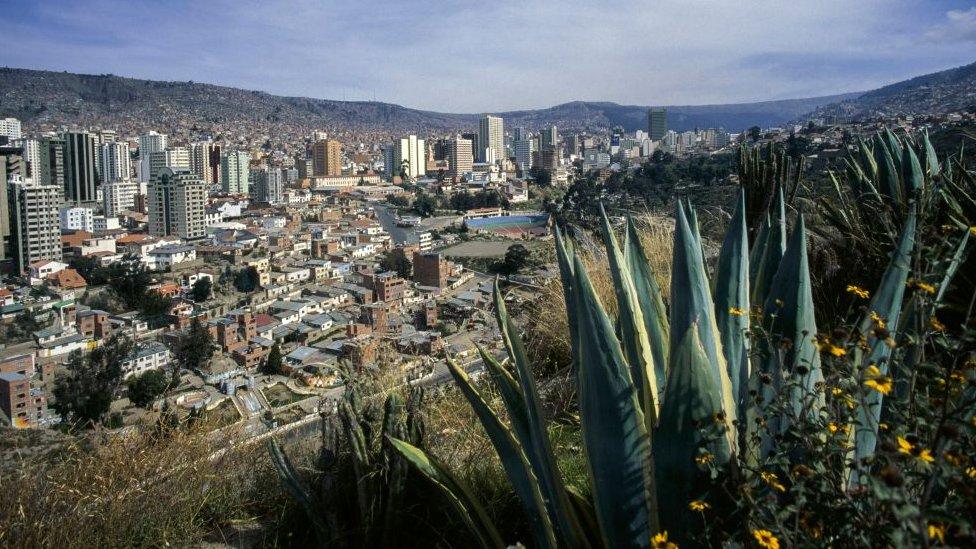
390,167
409,156
548,138
657,123
205,161
327,157
460,156
119,196
304,167
50,169
107,136
491,139
31,150
521,134
268,184
177,157
524,150
149,143
80,175
10,128
34,226
12,167
176,204
235,169
115,162
574,144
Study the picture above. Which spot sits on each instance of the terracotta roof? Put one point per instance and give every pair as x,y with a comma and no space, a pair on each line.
67,279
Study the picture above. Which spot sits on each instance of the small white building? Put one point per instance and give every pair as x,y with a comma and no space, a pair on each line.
77,218
166,256
151,356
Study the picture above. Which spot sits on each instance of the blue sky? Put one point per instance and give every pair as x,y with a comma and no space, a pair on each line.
461,56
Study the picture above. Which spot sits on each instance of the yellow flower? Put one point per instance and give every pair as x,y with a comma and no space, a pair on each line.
835,428
698,505
735,311
765,539
937,531
971,472
772,480
660,541
877,320
973,230
877,381
704,459
906,447
883,426
923,286
936,325
837,391
858,291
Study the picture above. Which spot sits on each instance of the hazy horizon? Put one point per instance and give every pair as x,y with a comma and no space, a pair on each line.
471,58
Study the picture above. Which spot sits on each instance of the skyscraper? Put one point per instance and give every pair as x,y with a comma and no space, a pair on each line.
460,157
80,175
523,153
10,128
12,166
34,222
32,155
491,139
548,138
148,144
411,151
235,169
177,157
657,123
50,170
327,157
115,161
205,161
118,196
268,184
176,204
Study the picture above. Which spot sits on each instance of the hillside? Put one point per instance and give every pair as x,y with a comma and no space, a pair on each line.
936,93
61,98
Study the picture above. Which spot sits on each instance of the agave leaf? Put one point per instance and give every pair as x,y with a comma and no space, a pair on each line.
563,256
953,267
931,159
894,146
771,253
691,399
511,395
468,508
911,172
538,446
866,159
886,303
887,173
692,304
651,304
614,433
789,314
732,302
293,484
513,459
634,339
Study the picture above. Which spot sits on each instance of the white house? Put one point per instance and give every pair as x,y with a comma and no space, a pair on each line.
152,356
166,256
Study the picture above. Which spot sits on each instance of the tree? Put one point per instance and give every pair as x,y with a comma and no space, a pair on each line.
424,205
201,289
397,261
541,176
272,364
84,393
398,200
194,348
516,257
754,133
246,280
146,388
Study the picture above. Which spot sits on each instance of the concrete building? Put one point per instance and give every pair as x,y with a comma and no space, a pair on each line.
430,269
119,196
268,185
34,222
657,123
10,128
524,150
149,143
31,151
409,155
235,169
77,218
491,139
177,200
23,406
50,168
12,166
327,157
459,156
548,138
150,356
205,161
80,175
115,163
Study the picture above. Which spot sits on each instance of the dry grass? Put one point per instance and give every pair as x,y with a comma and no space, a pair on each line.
547,331
138,490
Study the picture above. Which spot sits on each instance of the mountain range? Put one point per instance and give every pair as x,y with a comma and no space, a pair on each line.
69,99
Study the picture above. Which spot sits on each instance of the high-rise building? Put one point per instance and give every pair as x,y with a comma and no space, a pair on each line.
268,184
176,157
115,161
51,168
149,143
548,138
177,198
10,128
119,196
12,167
34,223
459,156
327,157
491,139
80,175
521,134
235,169
409,157
205,161
32,155
657,123
523,153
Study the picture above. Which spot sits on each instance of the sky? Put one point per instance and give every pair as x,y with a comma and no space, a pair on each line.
498,55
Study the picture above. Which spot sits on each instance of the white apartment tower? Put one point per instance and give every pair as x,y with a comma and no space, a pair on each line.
119,196
491,139
177,200
149,143
234,172
34,223
10,127
409,154
459,156
115,161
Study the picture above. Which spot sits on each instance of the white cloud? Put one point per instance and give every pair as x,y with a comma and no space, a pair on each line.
959,27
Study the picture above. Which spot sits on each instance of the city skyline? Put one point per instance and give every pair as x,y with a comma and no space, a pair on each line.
665,54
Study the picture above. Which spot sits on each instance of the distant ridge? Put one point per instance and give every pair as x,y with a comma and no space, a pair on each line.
83,100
